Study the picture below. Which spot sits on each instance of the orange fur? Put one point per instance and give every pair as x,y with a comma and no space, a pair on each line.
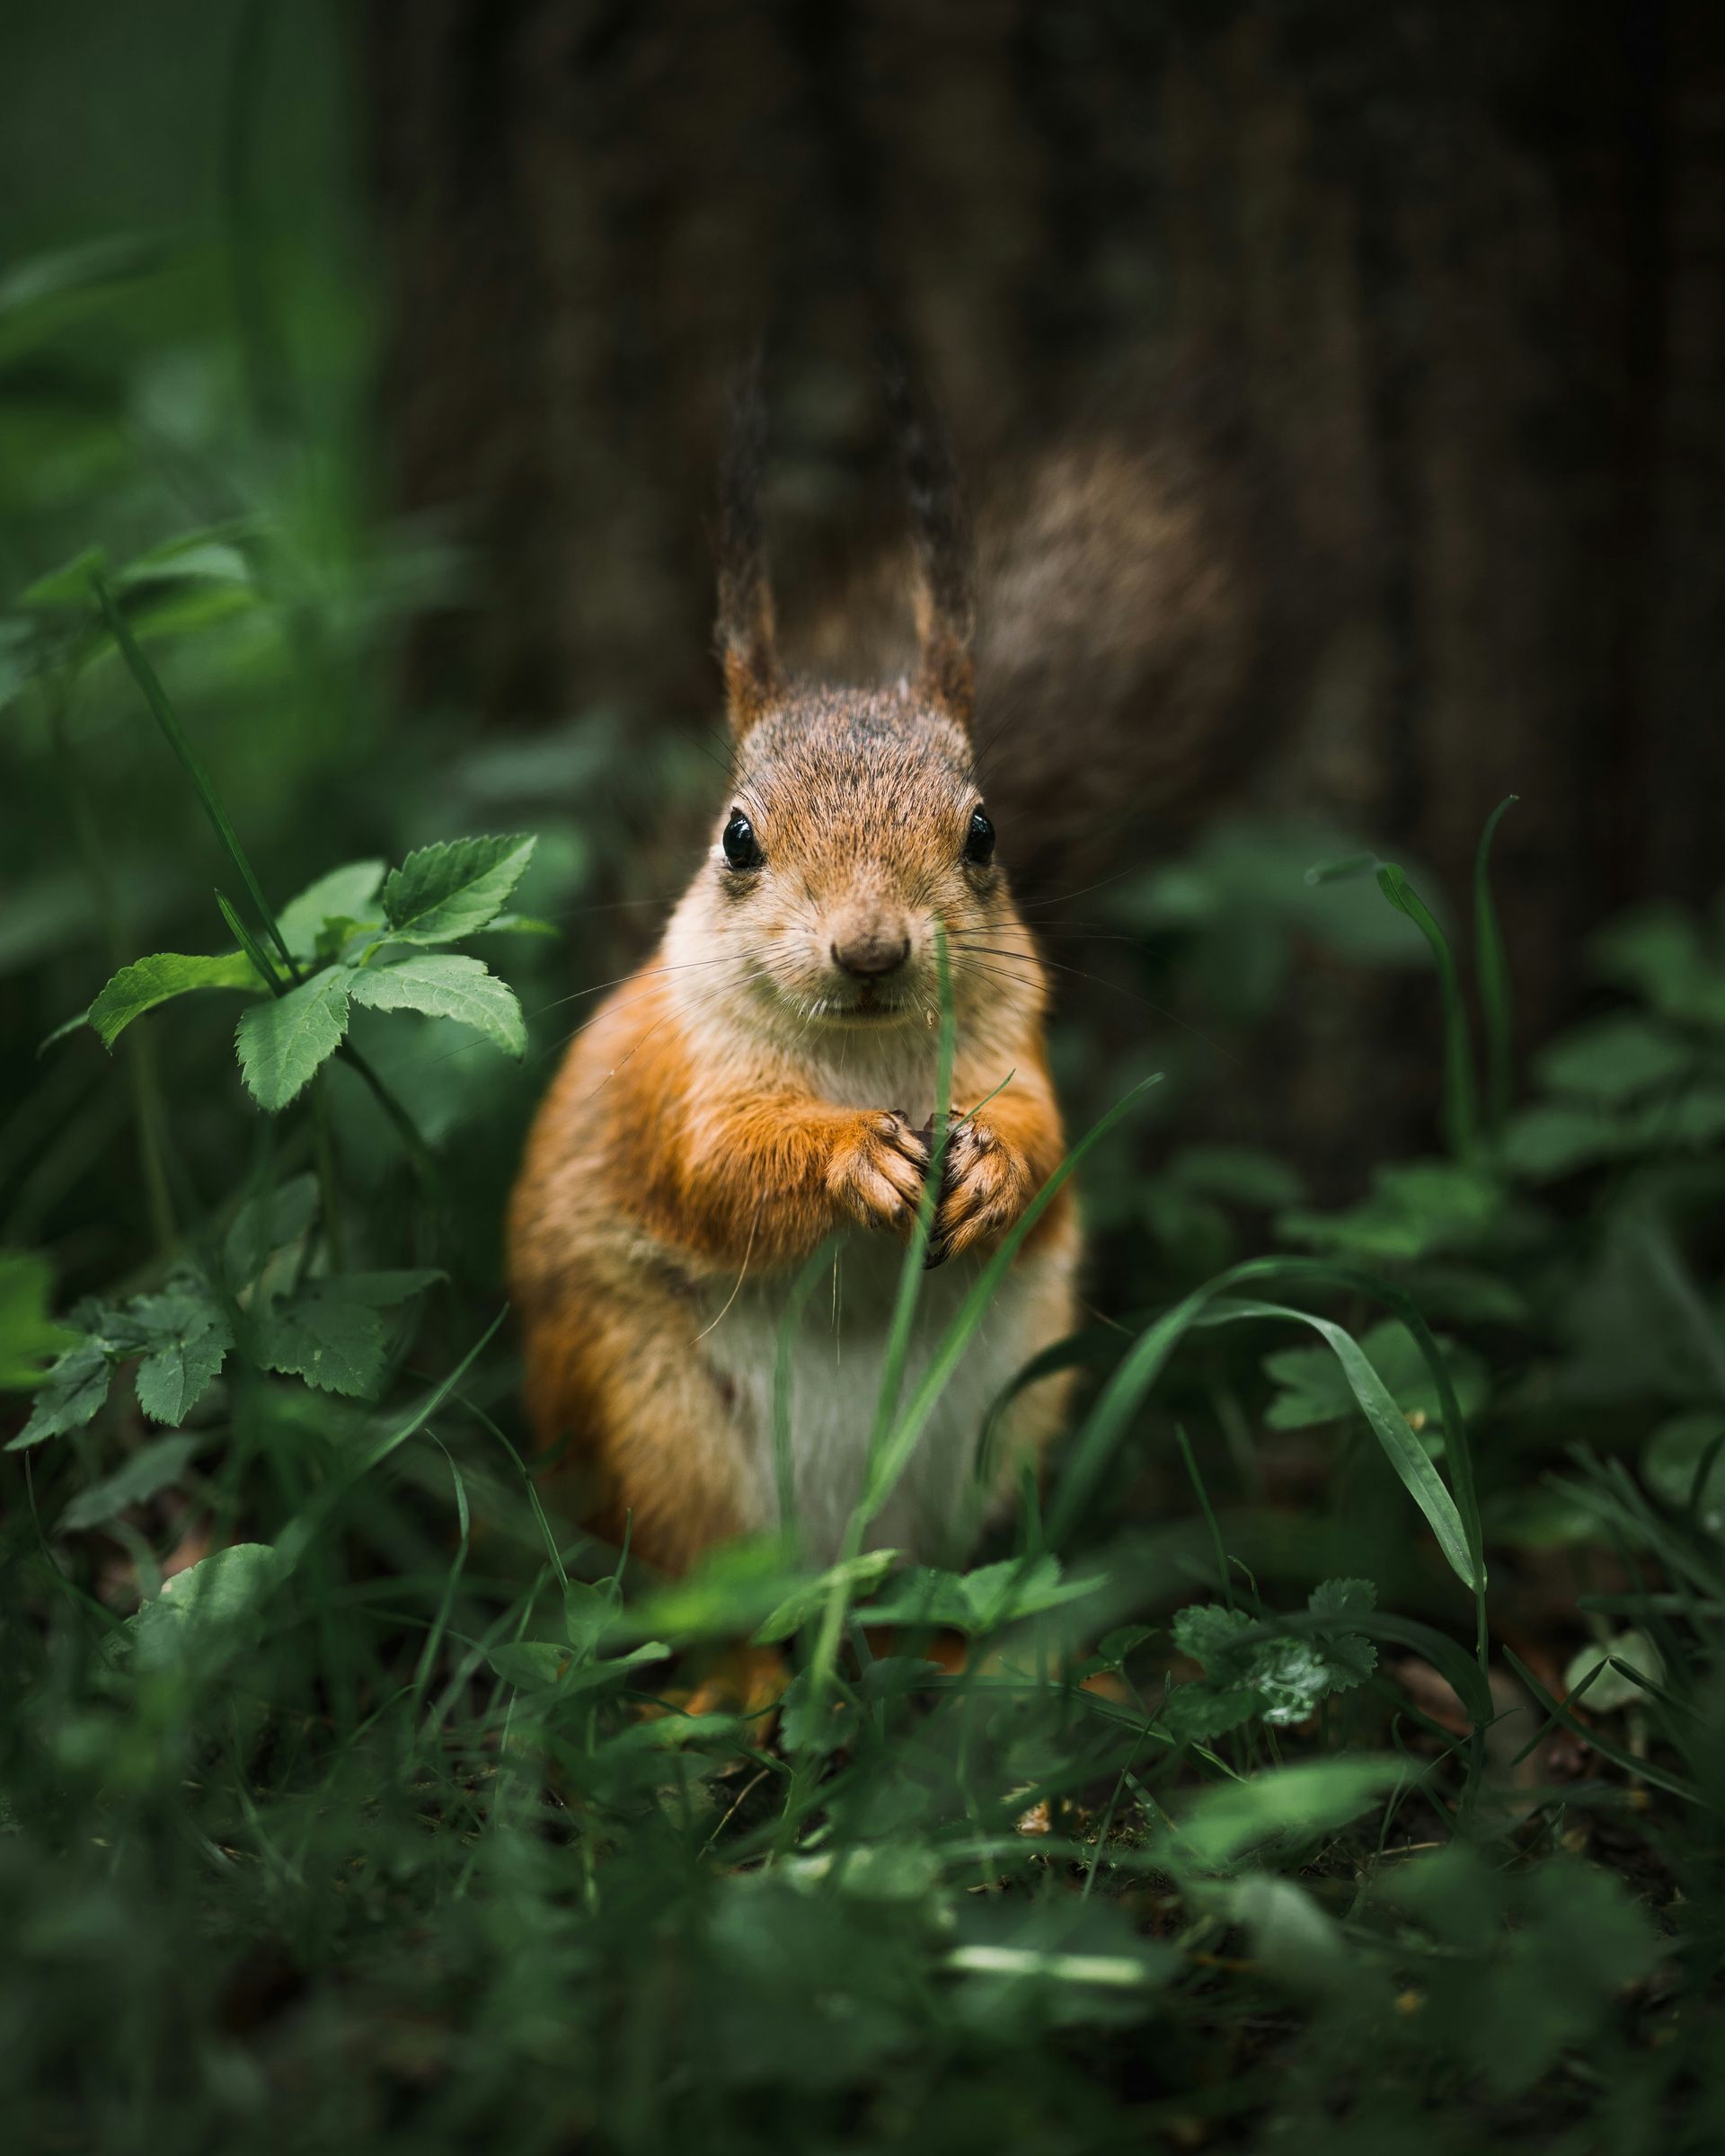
768,1079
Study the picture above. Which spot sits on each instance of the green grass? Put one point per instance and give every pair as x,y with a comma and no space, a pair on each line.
1338,1762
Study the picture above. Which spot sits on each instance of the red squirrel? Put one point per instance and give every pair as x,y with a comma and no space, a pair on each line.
770,1076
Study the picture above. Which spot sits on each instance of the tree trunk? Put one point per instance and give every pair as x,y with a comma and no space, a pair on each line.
1464,259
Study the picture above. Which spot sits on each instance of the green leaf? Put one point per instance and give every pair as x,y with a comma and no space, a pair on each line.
1344,1598
275,1221
334,1344
1675,1455
1461,1108
1608,1689
442,893
543,1665
1194,1713
810,1599
147,982
1406,1454
29,1339
186,1336
283,1043
345,893
1616,1060
215,1606
1314,1387
69,584
1292,1804
983,1601
521,925
1658,951
151,1467
1284,1676
49,292
1556,1138
444,984
1244,1175
1415,1208
69,1395
588,1614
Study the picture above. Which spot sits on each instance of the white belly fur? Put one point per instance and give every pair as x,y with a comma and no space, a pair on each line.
837,1363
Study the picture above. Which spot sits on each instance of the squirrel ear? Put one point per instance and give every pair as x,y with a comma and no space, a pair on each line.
743,628
946,589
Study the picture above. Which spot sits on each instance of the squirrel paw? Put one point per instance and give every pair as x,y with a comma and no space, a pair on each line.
985,1186
877,1171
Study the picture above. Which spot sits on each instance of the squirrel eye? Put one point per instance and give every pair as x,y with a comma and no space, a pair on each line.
979,840
743,849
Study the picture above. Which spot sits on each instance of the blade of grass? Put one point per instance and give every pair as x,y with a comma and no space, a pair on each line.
150,687
1492,971
1461,1111
249,945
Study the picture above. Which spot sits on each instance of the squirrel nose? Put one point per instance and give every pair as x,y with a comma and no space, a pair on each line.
868,956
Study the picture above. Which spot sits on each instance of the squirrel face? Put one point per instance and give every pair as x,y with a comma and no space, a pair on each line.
856,834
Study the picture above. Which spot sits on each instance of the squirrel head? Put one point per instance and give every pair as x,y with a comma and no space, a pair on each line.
856,833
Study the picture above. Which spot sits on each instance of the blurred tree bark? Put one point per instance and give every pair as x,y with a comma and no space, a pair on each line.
1464,258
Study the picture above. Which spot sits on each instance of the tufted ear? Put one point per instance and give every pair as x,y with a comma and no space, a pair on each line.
946,562
743,628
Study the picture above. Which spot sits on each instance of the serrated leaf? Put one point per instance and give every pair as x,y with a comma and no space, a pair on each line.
1194,1713
152,1468
191,1337
1344,1598
1285,1677
69,1395
283,1043
147,982
1210,1633
345,892
442,893
335,1345
29,1339
444,984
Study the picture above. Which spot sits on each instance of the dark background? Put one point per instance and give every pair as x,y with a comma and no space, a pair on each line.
1459,265
449,293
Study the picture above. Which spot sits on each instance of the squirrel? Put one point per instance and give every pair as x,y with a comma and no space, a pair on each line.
769,1076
